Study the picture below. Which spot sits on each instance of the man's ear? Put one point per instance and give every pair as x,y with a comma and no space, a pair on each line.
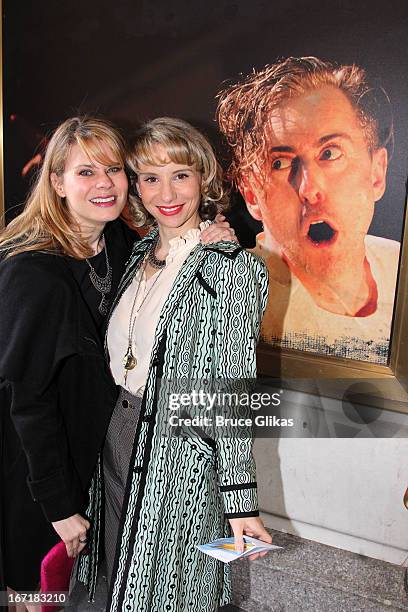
56,182
247,186
379,172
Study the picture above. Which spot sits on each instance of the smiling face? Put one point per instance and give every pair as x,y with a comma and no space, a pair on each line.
95,193
170,192
316,193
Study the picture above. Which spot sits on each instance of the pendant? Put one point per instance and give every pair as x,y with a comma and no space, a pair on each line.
103,306
129,360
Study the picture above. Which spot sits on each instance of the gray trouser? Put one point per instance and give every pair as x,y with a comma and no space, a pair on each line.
116,459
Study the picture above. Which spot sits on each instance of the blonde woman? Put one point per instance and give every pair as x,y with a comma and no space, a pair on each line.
61,261
184,311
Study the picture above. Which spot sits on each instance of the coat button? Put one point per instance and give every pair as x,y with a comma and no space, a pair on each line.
148,418
155,361
125,404
137,469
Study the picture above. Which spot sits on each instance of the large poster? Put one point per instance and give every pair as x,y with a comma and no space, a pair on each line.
310,142
311,126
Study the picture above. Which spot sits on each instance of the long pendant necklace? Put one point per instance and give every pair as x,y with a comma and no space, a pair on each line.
129,359
102,284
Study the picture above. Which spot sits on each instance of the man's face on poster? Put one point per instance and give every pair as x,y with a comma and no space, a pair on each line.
316,188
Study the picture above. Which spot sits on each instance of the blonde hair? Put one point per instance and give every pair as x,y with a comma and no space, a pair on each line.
46,223
244,108
183,144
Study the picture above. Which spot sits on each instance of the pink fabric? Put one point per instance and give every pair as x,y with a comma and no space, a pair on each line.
56,568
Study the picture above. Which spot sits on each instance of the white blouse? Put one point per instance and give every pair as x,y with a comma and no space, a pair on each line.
150,296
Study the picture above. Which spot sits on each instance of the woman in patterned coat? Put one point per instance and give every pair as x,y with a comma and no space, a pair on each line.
186,316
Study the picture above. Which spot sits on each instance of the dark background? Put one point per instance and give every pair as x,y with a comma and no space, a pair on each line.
135,59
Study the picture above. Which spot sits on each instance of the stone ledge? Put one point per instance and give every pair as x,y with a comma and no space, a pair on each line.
309,576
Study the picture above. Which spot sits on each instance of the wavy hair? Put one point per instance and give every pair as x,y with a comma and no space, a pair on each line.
244,108
183,144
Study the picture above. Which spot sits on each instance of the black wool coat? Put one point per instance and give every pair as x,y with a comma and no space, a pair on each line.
56,398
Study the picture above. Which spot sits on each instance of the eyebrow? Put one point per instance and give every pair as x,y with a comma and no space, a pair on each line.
321,141
114,163
174,172
325,139
282,149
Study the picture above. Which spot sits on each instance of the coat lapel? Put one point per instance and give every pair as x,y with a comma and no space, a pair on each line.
184,279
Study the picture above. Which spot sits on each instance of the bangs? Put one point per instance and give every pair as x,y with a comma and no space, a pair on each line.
176,151
105,151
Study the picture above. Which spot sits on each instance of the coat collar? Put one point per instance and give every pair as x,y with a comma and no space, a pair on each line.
182,282
228,249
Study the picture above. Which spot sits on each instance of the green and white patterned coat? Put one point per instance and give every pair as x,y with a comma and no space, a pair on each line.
181,489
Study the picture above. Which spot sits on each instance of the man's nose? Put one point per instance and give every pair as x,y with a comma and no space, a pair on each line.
311,185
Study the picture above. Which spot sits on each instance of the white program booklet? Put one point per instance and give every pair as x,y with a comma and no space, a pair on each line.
224,548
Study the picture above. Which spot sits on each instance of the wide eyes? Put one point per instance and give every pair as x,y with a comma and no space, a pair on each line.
281,163
330,154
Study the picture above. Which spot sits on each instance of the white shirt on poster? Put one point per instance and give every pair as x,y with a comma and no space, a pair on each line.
293,320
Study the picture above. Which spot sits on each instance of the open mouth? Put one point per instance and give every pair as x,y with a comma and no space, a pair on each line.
321,233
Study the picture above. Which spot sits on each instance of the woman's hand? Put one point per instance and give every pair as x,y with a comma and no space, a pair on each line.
253,527
72,532
219,230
